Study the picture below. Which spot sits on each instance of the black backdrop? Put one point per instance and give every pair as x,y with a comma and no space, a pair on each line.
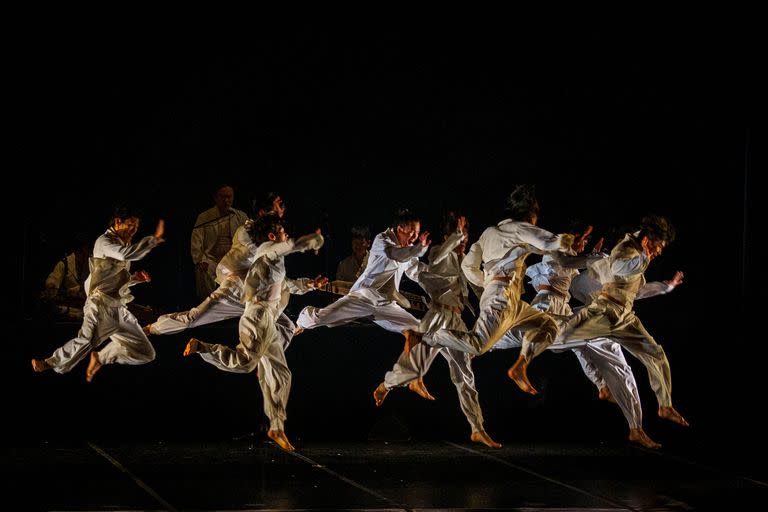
608,125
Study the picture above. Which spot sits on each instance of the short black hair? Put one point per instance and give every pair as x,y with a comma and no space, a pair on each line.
124,211
658,228
450,221
404,216
263,202
221,186
260,228
522,204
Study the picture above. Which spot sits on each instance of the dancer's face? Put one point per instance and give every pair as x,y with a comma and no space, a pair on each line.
408,233
126,228
279,235
655,247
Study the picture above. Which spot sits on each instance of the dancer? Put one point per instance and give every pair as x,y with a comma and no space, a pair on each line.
446,286
502,250
611,315
376,293
261,345
108,292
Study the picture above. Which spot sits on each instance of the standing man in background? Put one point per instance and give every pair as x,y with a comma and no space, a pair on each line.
212,238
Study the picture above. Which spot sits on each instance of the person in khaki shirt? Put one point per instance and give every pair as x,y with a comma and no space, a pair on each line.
212,238
350,268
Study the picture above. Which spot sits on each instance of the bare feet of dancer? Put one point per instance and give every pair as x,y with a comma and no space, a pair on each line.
94,365
40,365
483,437
412,338
278,436
193,347
605,394
519,374
418,387
669,413
379,394
638,435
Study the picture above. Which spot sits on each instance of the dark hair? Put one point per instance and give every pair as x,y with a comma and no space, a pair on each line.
576,226
123,211
263,202
404,216
260,228
221,186
450,222
658,228
360,232
522,204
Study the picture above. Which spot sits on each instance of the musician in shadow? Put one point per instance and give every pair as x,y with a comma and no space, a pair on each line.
352,266
64,293
212,237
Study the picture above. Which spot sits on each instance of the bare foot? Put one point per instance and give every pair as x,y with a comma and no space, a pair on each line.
298,330
379,394
669,413
412,338
418,387
147,329
605,394
94,365
519,374
193,347
638,435
278,436
483,437
40,365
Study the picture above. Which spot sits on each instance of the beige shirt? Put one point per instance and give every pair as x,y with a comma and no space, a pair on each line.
213,238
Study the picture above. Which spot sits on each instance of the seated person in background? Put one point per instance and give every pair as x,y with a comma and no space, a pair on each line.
351,267
64,294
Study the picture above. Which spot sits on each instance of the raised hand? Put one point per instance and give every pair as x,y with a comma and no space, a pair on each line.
676,280
424,239
142,276
598,246
581,240
160,230
461,223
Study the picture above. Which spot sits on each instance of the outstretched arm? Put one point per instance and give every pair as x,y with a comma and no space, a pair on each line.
135,251
660,287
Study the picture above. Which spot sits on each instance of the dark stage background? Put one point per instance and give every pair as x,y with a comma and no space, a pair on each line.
609,126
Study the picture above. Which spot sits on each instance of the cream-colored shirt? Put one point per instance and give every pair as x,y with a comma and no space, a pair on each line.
501,249
211,241
111,265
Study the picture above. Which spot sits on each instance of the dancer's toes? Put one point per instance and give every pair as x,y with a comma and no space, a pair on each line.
379,394
418,387
193,347
519,374
94,365
278,436
483,437
669,413
638,435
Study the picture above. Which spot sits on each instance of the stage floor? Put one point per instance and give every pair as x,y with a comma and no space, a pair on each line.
251,473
